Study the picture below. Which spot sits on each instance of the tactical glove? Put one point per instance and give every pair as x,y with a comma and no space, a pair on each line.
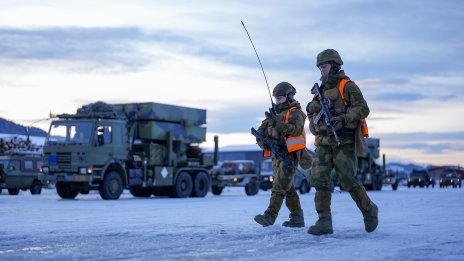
313,107
261,144
338,122
270,122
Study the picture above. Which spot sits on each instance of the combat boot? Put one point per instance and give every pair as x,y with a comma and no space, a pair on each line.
296,219
369,210
371,218
266,219
323,225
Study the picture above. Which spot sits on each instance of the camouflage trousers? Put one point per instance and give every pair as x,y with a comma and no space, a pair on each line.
341,158
283,188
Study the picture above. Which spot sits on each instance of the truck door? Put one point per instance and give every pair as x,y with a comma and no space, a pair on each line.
104,144
110,142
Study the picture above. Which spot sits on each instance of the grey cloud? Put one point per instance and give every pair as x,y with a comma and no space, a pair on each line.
104,46
400,97
437,142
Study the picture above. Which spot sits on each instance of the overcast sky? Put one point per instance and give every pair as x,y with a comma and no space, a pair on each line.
406,56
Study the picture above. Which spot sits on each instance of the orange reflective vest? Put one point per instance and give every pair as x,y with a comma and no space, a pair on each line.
294,143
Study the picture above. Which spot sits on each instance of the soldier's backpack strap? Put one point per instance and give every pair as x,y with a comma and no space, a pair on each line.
287,115
341,89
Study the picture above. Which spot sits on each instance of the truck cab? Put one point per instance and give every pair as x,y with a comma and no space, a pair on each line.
78,153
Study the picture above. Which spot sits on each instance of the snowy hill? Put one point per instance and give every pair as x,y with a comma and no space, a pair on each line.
9,127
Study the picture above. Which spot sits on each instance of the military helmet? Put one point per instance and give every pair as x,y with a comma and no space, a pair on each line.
283,89
329,55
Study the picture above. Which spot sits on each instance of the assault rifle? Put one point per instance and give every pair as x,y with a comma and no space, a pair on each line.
325,106
275,150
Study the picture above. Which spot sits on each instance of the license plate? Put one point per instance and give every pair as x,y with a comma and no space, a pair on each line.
80,178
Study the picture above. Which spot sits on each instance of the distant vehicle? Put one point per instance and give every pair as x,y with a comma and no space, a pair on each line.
449,178
236,173
21,171
301,180
391,178
421,178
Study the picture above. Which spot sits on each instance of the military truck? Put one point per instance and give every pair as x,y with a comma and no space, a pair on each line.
236,173
21,171
149,148
368,173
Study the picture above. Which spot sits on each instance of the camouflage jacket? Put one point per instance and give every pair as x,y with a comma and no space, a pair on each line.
279,130
355,110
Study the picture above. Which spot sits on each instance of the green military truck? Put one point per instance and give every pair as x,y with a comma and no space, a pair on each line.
369,173
21,171
149,148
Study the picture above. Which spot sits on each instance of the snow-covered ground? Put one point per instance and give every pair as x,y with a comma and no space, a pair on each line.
415,224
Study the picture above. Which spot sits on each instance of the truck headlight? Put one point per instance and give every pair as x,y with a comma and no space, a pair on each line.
44,169
271,178
86,170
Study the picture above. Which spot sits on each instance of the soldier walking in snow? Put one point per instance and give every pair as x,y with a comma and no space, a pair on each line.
347,111
286,130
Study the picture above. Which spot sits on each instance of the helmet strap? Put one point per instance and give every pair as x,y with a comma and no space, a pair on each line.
334,68
290,98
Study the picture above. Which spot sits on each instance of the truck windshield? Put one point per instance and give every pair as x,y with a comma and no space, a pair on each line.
266,166
70,132
4,163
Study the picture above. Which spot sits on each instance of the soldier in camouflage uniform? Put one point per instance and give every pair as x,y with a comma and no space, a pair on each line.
346,120
287,124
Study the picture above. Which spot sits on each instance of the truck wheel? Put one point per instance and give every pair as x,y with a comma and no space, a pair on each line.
65,190
252,187
395,186
112,186
140,192
36,187
216,190
200,185
183,186
13,191
304,187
